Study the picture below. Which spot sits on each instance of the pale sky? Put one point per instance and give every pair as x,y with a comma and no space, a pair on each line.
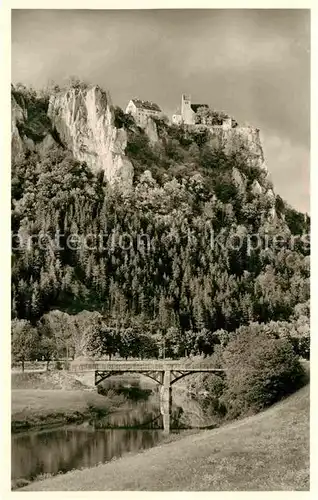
253,64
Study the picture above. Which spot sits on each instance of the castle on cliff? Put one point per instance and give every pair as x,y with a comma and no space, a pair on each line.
87,118
199,114
189,114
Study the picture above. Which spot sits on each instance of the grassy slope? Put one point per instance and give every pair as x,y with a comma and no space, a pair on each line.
38,408
269,451
29,402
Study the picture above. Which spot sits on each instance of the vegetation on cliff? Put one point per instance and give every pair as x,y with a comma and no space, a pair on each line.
191,250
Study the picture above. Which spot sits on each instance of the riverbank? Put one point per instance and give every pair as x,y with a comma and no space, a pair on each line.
56,398
269,451
38,408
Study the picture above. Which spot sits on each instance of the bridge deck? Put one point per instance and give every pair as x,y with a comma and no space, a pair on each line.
140,366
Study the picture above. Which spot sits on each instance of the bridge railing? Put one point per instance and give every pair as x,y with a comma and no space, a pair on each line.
123,366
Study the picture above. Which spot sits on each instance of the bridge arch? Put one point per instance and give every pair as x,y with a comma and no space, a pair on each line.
101,375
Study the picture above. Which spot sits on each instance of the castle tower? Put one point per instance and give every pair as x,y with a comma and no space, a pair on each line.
186,110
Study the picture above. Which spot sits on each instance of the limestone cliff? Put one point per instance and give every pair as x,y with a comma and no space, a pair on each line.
239,180
84,121
18,116
246,139
30,127
151,131
234,139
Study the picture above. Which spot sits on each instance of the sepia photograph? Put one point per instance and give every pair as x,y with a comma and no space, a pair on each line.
160,249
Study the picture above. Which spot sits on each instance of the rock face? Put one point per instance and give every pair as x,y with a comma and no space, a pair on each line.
270,196
18,116
235,139
84,121
20,142
239,180
256,188
151,130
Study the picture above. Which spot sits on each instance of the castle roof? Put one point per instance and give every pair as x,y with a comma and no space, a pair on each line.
152,106
195,107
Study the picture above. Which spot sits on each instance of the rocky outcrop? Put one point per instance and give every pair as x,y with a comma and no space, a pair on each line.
21,125
256,188
84,121
270,196
239,180
18,116
151,130
240,139
44,146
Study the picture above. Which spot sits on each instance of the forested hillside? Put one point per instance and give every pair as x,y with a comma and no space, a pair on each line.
194,247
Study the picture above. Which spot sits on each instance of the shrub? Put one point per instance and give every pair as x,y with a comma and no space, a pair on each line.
58,365
138,148
226,191
214,387
260,371
303,347
123,120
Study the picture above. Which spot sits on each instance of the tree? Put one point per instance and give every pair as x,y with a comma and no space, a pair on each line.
63,329
148,346
24,341
87,327
182,279
123,120
103,341
205,341
188,342
202,114
47,349
75,82
173,343
260,370
300,333
127,342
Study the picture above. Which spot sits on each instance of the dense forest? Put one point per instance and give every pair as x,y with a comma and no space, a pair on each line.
170,267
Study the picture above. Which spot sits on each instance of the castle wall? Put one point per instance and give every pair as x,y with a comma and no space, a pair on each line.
177,119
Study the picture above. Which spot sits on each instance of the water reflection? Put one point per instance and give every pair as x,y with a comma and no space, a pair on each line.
55,450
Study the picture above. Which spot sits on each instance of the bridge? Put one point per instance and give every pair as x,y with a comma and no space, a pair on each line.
165,373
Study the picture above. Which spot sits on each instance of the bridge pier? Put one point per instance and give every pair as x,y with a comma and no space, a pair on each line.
165,400
87,378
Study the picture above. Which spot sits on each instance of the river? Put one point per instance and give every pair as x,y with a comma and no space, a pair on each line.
63,449
40,452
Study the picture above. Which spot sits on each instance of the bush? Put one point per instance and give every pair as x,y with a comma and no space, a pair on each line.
138,148
260,371
303,347
213,403
123,120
